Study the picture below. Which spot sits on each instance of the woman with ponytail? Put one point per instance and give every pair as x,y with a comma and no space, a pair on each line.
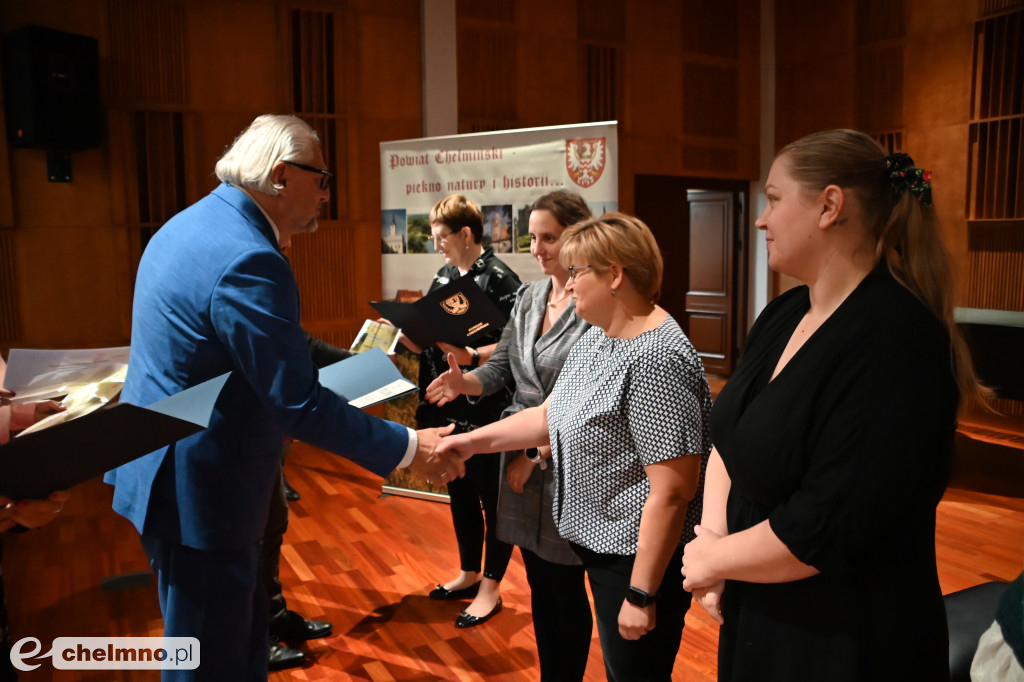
833,437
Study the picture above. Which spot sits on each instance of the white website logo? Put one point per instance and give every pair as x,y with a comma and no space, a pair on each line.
110,653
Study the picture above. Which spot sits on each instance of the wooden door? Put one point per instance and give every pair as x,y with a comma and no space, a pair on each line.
710,303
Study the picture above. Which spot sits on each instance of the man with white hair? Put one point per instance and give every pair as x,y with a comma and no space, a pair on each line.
214,294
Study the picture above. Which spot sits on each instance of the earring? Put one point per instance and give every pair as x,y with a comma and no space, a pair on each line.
613,292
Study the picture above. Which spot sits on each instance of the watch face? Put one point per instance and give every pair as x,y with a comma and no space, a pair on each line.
638,597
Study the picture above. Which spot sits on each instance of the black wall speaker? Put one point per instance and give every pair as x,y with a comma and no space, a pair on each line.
51,90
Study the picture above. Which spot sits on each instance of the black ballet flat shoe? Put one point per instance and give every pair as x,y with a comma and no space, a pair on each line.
467,621
448,595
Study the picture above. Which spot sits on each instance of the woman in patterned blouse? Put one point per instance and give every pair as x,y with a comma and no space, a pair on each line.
627,423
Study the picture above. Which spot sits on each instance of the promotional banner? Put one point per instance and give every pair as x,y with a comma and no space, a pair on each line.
503,173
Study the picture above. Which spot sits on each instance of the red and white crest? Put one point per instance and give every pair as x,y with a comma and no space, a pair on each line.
584,159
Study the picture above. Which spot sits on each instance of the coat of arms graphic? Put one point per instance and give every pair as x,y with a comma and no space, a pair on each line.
456,305
584,159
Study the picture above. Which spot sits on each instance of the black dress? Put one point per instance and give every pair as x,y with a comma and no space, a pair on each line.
846,453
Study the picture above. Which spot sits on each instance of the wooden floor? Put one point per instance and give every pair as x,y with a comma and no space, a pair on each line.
365,563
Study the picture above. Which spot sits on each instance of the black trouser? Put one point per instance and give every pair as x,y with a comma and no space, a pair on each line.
562,621
652,656
472,525
270,546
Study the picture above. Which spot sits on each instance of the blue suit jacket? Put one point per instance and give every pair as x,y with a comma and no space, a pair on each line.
215,294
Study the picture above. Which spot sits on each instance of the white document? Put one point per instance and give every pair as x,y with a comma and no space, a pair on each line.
34,374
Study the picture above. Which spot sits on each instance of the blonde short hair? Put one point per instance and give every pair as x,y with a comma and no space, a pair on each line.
268,139
456,211
620,239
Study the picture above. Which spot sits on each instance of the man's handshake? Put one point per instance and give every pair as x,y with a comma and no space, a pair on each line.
436,468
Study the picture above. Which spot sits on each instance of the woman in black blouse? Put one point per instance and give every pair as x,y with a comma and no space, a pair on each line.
456,224
833,437
542,330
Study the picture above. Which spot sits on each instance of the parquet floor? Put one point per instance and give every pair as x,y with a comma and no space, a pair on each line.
365,563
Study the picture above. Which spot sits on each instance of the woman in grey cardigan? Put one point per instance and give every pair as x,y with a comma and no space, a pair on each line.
532,349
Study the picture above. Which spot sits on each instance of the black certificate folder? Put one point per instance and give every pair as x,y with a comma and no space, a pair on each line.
61,456
458,313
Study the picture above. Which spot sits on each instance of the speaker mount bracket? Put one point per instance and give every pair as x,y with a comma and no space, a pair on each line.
58,166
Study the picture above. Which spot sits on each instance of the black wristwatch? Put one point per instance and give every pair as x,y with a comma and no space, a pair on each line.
474,357
637,597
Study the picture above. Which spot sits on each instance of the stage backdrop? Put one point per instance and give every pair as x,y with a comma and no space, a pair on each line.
503,173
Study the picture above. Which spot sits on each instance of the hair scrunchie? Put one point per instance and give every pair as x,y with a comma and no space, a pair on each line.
903,175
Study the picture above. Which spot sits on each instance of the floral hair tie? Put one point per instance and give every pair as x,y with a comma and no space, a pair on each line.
904,176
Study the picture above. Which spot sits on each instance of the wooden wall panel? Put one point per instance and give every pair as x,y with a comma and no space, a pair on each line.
387,52
147,61
703,120
814,67
880,20
549,87
10,295
487,76
989,8
236,66
497,11
604,87
878,88
320,262
996,250
711,28
602,21
710,100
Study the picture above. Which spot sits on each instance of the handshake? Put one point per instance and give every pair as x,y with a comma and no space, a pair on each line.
440,459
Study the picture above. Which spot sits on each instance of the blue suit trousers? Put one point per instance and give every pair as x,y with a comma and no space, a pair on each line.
215,596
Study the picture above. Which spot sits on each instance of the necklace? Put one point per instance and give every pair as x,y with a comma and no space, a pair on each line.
552,304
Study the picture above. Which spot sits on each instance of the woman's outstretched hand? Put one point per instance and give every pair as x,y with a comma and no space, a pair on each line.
448,386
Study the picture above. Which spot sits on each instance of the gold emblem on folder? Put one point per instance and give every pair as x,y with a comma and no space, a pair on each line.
456,305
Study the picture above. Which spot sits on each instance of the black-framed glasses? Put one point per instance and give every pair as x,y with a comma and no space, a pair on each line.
325,175
575,270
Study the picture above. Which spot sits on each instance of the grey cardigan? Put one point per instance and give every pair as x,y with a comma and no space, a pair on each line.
533,362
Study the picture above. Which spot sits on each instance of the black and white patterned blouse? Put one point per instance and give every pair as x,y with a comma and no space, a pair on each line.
619,405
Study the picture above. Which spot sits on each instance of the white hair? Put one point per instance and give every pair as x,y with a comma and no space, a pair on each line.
267,140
